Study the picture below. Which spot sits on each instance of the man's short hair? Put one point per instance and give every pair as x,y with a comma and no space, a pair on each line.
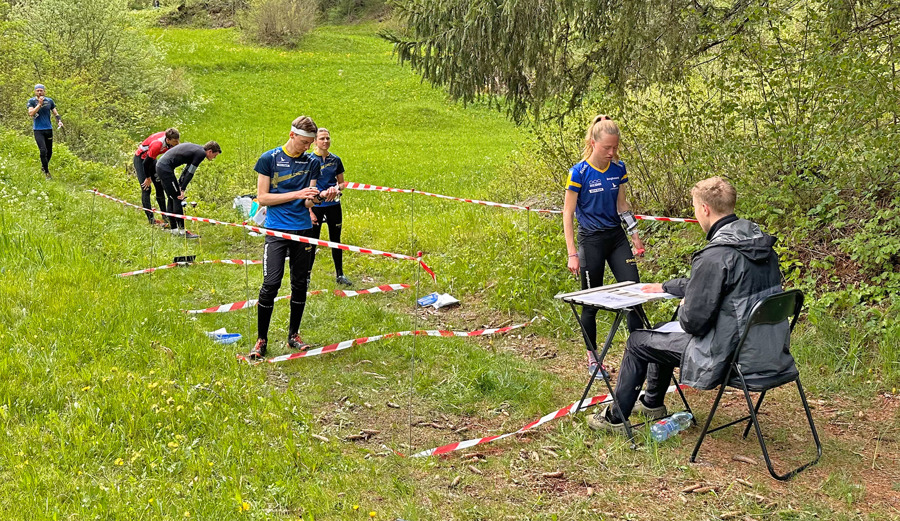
172,134
213,146
305,123
717,193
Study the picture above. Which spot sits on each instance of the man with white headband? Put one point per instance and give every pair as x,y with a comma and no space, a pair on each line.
286,184
190,155
39,109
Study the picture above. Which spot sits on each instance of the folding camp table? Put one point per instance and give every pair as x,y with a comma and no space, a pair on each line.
617,298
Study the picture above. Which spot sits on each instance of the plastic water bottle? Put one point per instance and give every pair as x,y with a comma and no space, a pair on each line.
668,427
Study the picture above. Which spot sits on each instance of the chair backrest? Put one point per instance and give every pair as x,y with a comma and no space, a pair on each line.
776,308
773,309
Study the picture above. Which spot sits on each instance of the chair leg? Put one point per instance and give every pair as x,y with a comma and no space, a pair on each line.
687,406
812,426
762,442
750,423
708,421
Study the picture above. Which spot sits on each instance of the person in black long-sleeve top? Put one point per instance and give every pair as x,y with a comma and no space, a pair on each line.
190,155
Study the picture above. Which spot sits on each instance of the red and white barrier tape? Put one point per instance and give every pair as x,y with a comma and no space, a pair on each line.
239,262
289,236
565,411
346,344
365,187
234,306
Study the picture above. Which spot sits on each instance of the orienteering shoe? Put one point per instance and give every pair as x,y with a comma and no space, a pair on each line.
259,350
296,343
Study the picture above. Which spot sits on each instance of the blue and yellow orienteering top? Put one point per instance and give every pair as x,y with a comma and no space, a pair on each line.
288,174
332,166
598,191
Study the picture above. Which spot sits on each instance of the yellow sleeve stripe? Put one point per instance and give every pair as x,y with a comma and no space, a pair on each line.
573,183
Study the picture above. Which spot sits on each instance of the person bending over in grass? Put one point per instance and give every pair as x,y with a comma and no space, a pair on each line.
594,195
737,269
189,155
331,182
286,184
39,109
145,167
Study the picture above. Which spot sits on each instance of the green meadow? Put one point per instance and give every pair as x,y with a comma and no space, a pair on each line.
116,405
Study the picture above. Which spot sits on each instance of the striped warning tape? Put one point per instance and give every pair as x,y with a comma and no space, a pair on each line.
346,344
565,411
244,304
239,262
283,235
365,187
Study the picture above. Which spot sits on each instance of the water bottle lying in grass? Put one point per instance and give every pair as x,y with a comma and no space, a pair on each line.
668,427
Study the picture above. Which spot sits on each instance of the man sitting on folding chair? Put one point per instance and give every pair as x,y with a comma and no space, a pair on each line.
734,271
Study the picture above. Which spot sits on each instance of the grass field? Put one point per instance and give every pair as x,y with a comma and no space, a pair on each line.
115,405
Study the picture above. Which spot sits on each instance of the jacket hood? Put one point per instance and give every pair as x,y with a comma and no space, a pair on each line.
745,237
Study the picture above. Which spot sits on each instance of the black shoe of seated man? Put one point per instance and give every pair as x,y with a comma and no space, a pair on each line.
343,280
259,350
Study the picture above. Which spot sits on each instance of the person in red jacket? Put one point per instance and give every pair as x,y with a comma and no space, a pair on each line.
145,167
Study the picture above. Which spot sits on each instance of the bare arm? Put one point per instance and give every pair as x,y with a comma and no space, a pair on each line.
332,193
32,111
569,230
267,199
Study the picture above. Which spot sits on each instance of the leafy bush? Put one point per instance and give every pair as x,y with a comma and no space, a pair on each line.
108,80
279,22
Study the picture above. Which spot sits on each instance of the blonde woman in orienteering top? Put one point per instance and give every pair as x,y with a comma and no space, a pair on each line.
594,196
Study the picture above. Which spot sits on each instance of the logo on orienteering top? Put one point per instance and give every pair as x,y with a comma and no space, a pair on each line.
280,177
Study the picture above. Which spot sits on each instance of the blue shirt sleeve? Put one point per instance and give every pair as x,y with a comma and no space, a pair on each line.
32,103
264,164
52,104
574,181
624,178
340,168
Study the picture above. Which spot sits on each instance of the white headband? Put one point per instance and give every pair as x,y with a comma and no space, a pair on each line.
303,133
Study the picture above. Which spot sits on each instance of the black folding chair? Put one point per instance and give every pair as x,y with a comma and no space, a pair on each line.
771,310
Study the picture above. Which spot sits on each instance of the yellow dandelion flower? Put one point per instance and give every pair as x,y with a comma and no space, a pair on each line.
355,507
245,506
86,388
372,514
119,462
173,444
